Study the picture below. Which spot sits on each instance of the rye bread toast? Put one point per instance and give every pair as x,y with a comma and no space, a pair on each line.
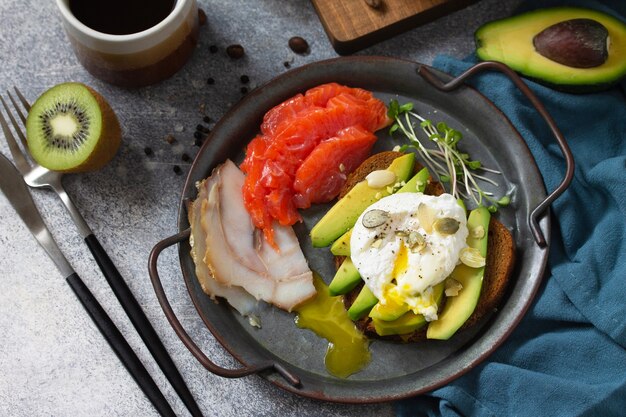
498,268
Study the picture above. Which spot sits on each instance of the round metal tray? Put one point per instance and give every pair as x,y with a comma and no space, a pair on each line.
293,358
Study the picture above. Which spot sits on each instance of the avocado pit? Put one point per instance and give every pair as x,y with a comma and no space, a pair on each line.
577,43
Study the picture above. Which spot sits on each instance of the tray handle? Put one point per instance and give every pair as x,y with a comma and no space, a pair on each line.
184,336
431,78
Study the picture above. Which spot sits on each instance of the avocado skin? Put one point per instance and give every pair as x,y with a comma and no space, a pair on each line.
517,32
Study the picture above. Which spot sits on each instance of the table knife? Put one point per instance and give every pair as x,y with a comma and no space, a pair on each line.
15,189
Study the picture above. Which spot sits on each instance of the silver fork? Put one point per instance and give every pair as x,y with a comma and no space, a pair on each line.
37,176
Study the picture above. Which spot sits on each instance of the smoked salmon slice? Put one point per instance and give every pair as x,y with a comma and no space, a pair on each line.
336,158
345,117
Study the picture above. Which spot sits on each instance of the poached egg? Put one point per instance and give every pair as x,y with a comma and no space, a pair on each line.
405,244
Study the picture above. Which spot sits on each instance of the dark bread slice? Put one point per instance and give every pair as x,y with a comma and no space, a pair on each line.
498,268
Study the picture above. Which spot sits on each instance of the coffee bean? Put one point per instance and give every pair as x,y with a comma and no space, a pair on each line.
298,45
201,17
235,51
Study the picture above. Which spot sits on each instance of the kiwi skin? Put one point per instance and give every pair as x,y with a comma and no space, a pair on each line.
110,138
105,148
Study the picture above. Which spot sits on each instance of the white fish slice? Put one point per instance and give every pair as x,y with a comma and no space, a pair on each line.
237,297
280,278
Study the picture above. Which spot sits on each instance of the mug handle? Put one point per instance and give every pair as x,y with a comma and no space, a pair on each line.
184,336
533,222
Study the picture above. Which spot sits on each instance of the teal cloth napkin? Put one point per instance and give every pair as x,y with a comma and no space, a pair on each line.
568,355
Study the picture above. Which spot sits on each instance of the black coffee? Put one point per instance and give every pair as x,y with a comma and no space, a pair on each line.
121,17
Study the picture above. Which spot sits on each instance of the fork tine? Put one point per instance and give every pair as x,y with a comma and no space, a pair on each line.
18,157
16,125
17,108
22,99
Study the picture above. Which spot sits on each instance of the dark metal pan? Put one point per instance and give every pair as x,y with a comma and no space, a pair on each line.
293,358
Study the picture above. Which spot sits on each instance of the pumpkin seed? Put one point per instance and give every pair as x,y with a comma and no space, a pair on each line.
478,232
453,287
426,216
374,218
446,226
380,178
416,242
472,258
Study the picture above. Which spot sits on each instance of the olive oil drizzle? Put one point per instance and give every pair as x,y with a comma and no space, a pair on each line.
348,349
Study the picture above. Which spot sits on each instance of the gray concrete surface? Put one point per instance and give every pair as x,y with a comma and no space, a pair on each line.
53,362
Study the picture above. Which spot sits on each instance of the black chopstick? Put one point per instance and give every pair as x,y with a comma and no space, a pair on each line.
142,324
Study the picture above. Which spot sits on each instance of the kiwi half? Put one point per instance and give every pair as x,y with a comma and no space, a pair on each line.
72,128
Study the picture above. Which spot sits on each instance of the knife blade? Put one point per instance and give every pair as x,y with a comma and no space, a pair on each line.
15,189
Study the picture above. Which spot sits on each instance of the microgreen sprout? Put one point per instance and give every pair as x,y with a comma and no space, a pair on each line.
451,166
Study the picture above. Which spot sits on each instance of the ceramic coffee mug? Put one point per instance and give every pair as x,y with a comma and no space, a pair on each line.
135,59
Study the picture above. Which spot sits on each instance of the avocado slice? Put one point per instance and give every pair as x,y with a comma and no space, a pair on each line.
407,322
550,45
417,184
342,216
362,304
388,312
341,246
346,278
460,307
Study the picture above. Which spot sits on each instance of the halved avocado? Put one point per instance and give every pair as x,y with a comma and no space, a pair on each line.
515,41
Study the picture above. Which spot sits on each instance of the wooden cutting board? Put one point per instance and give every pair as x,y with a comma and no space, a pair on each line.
352,25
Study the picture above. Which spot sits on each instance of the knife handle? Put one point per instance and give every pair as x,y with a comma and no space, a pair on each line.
119,345
142,324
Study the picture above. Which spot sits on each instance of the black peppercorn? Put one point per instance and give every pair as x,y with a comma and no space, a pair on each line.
148,151
177,170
